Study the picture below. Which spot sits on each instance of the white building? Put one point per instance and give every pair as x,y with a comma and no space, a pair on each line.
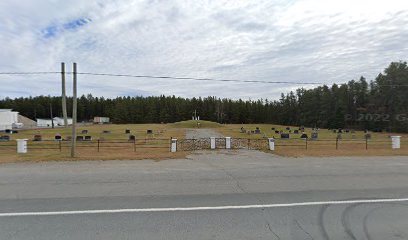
47,122
101,120
58,121
8,119
44,122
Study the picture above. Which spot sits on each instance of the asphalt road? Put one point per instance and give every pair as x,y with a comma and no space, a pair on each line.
245,195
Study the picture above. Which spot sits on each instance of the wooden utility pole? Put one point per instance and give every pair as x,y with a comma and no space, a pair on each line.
74,111
64,97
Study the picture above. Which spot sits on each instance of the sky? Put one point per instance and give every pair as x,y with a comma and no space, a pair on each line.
331,41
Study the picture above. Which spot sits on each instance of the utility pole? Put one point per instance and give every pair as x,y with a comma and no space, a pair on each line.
64,97
74,111
52,117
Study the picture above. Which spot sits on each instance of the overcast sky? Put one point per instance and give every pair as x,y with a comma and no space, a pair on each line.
331,41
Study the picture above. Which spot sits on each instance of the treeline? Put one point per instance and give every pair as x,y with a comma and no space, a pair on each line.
380,104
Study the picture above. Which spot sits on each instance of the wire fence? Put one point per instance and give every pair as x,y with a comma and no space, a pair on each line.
153,144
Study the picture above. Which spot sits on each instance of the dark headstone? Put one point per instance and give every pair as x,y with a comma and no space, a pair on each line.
273,128
88,138
5,138
340,130
132,138
334,131
290,131
276,131
37,138
84,132
257,131
347,131
296,131
80,138
127,131
287,128
304,135
106,131
149,131
284,136
58,137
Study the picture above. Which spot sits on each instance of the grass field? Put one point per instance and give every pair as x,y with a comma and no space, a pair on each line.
115,144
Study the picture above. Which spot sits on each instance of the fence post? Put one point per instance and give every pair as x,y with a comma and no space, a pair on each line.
227,142
174,145
366,142
396,142
212,142
306,142
98,145
337,143
271,142
59,146
134,145
249,143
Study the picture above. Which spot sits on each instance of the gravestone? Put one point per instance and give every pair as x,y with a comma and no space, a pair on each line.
106,131
88,138
84,132
284,136
347,131
257,130
243,130
37,138
287,128
340,130
149,131
367,136
334,131
58,137
273,128
79,138
290,131
132,138
127,131
296,131
315,135
304,136
276,131
5,138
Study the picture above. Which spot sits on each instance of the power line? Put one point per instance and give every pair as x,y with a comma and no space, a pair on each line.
195,79
161,77
182,78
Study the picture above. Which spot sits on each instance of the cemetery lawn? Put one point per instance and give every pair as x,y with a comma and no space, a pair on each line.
121,151
378,145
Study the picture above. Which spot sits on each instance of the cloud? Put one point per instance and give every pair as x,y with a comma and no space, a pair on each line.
280,40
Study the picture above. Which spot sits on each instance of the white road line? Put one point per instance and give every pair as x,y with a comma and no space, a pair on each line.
141,210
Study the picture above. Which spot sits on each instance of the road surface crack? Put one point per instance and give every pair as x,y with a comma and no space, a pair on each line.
301,228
